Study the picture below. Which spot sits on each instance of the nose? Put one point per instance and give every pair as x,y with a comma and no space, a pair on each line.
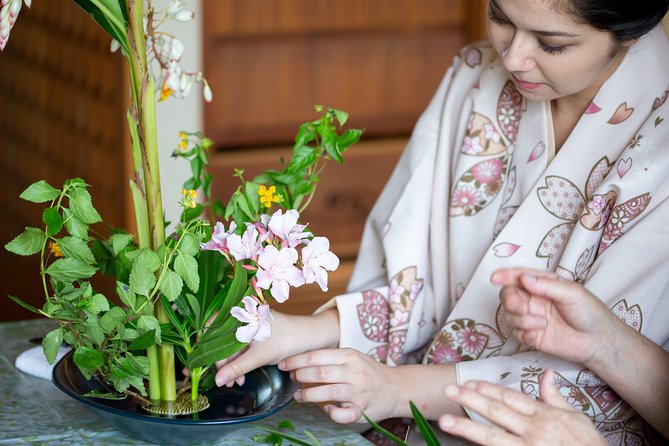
517,56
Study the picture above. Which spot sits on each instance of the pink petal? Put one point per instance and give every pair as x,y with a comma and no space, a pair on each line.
592,109
624,165
622,113
537,151
241,315
280,290
264,331
505,249
245,333
322,279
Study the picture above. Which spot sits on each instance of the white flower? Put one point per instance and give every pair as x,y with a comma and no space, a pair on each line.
286,228
317,259
247,246
219,238
258,320
175,6
277,269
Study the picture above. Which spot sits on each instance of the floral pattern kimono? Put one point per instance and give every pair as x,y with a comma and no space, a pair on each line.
480,188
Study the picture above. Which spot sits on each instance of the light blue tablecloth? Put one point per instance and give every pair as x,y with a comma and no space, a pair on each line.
34,412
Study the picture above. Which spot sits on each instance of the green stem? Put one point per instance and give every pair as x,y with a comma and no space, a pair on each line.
154,374
195,382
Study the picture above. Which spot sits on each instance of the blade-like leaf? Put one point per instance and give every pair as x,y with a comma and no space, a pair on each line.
174,319
425,428
384,432
24,305
223,348
235,293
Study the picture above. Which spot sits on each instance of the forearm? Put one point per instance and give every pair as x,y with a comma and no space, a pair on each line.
424,384
636,368
322,330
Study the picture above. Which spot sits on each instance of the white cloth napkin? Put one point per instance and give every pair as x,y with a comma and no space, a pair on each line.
33,362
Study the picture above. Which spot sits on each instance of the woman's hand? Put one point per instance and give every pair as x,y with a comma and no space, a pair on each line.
291,334
523,420
554,315
345,382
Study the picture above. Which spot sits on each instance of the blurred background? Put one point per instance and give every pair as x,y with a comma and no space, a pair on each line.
63,96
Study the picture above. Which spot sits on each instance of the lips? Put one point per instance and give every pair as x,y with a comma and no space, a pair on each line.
524,84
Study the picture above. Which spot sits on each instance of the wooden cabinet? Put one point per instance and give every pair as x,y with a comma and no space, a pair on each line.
270,61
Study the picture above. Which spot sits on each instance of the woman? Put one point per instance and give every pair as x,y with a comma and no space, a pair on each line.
551,142
562,318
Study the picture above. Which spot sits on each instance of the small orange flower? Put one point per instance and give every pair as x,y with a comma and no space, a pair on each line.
55,249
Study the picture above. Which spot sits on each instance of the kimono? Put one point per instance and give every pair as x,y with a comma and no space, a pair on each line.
480,187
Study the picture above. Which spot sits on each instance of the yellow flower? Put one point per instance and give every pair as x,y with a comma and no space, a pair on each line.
183,135
189,196
267,195
165,92
55,249
183,145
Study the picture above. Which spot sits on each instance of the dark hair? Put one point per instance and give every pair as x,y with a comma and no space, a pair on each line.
624,19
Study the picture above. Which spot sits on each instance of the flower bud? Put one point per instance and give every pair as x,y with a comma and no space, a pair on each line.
185,16
206,92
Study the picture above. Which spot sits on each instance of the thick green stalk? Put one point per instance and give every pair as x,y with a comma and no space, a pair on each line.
195,375
144,98
155,391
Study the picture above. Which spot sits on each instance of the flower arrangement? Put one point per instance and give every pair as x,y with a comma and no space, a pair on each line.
200,294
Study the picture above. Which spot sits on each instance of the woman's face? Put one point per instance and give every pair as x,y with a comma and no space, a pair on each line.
547,52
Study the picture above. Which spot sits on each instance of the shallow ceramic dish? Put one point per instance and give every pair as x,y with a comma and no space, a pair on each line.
265,391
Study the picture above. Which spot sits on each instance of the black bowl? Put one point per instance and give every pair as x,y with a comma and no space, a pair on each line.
265,391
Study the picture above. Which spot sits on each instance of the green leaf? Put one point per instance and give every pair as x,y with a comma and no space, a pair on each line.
192,213
286,436
69,269
29,242
252,197
120,242
51,343
218,208
81,206
111,18
98,304
76,248
186,267
142,280
195,308
348,138
174,319
143,341
207,355
40,192
303,157
126,295
53,221
305,135
24,305
341,116
149,258
88,358
384,432
425,428
112,319
189,245
149,323
171,285
75,226
105,396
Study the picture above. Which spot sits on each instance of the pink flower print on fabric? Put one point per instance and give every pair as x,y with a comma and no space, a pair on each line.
446,355
489,171
491,133
630,315
395,292
219,238
466,197
248,246
473,57
472,145
509,110
317,260
373,315
471,341
416,288
258,320
277,272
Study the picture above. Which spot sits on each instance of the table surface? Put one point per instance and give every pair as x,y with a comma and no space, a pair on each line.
34,412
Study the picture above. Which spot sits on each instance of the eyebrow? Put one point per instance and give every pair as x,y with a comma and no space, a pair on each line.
497,10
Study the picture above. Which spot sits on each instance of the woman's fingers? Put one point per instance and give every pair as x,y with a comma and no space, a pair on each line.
476,432
512,276
337,393
549,392
347,413
505,409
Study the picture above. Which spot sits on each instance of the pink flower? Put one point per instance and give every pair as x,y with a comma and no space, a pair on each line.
446,355
399,318
488,171
395,292
491,133
471,340
286,228
277,270
258,320
465,196
317,259
247,246
472,146
597,203
219,238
